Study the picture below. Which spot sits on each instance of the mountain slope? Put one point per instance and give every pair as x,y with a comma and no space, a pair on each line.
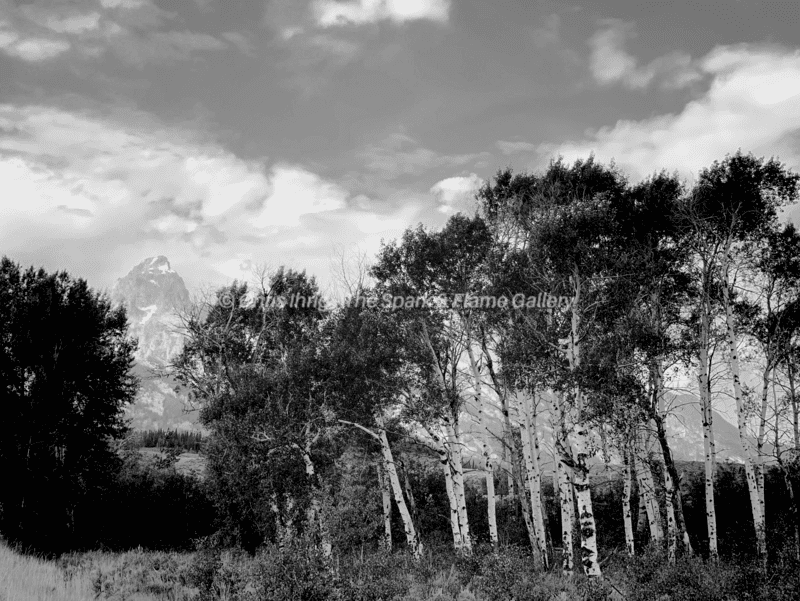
153,294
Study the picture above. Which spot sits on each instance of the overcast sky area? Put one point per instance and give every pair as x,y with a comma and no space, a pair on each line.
225,134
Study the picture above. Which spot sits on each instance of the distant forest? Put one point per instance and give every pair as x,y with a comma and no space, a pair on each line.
169,439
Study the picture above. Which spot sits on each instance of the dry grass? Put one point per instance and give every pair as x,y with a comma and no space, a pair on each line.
130,576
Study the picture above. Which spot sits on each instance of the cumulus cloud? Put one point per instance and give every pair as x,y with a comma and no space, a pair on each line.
54,158
296,192
456,193
133,186
753,103
612,63
332,13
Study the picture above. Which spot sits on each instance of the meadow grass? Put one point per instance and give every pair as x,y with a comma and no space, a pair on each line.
128,576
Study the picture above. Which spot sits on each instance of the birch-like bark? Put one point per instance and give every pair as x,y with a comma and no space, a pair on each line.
641,515
521,476
644,479
676,523
390,471
762,434
795,405
708,430
751,470
567,502
626,506
530,446
578,461
488,468
412,504
588,528
455,523
414,543
458,485
386,497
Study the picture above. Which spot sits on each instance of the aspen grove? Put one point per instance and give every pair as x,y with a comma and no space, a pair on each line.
670,286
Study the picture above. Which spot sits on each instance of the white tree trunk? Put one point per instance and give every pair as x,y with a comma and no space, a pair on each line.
756,501
709,448
530,447
567,502
626,506
386,497
646,483
672,528
455,523
458,486
583,496
414,543
485,449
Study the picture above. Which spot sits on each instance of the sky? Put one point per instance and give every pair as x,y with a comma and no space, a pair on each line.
245,133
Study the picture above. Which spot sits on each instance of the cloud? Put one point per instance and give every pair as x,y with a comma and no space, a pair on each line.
399,155
508,148
133,29
53,158
296,192
753,103
132,186
31,49
125,4
456,193
549,33
611,63
75,24
334,13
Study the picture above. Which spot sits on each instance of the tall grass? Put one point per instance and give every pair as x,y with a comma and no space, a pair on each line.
129,576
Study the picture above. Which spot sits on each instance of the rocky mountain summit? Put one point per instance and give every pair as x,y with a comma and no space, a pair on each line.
154,295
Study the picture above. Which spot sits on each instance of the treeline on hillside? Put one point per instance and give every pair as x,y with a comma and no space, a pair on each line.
169,439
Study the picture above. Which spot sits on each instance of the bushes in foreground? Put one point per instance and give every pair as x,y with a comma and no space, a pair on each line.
298,573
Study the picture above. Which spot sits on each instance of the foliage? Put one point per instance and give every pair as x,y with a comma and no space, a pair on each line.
65,379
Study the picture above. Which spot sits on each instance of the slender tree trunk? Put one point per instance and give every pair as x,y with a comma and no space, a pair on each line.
455,523
641,513
795,405
521,476
534,476
414,543
386,497
488,468
708,431
644,480
760,455
315,516
567,518
583,496
674,498
458,485
751,470
412,504
626,506
578,455
672,484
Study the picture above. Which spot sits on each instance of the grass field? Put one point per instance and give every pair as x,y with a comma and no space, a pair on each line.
130,576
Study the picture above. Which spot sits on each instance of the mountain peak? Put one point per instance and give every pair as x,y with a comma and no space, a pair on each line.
159,264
